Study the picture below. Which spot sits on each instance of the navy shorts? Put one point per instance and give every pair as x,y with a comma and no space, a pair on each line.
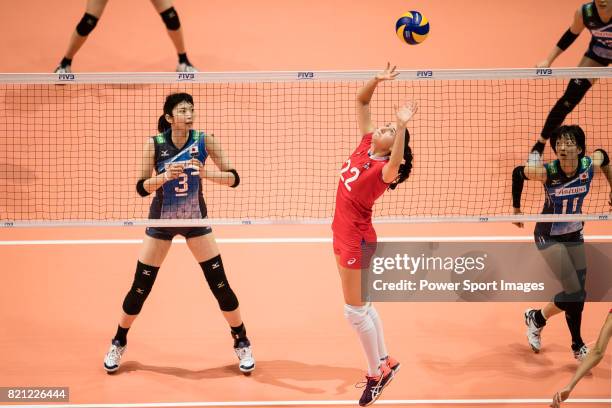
170,232
591,54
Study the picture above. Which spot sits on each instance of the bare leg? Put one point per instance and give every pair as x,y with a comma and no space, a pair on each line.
175,35
95,8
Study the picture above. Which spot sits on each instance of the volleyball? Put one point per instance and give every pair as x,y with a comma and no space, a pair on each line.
412,27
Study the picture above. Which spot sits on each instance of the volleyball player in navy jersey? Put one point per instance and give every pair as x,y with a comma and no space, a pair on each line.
596,17
567,181
176,157
93,12
592,359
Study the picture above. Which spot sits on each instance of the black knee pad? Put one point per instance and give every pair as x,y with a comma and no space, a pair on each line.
575,91
170,18
571,303
144,278
218,284
86,25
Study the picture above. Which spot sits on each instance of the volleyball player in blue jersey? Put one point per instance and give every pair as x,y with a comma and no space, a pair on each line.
176,157
596,17
567,181
93,12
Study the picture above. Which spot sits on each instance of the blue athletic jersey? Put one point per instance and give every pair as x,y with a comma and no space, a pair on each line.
601,41
180,198
564,195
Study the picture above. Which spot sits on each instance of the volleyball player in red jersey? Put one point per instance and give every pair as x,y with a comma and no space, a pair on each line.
592,359
381,161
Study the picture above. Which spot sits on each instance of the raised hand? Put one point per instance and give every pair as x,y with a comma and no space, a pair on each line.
406,112
388,74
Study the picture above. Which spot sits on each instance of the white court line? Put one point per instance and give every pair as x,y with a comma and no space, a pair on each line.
319,403
304,240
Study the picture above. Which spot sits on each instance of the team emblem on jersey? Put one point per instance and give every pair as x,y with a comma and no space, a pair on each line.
193,150
584,177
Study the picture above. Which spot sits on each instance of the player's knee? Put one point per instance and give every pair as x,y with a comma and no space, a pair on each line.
171,19
570,303
218,284
144,279
86,25
576,89
358,317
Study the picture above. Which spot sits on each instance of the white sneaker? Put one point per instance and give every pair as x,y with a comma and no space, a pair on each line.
183,67
581,354
245,356
62,70
112,360
533,332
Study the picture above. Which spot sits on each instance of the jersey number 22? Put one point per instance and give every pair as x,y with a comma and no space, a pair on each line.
353,170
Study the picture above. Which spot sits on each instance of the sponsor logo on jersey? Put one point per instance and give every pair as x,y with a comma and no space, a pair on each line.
351,261
366,166
567,191
164,153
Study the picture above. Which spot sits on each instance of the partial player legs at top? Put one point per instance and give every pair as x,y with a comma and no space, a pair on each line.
88,22
175,32
93,13
575,91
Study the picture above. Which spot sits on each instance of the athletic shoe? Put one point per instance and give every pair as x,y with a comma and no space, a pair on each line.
184,67
581,353
245,356
62,70
533,331
374,386
113,357
392,363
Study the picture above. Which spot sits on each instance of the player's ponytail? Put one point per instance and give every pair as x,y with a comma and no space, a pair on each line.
171,101
163,124
406,167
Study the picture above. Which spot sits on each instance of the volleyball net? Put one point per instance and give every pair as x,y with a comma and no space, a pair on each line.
71,144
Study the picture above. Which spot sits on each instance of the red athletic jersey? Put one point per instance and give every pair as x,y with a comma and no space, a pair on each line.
360,184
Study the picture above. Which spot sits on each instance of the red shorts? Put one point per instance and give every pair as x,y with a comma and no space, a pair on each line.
355,249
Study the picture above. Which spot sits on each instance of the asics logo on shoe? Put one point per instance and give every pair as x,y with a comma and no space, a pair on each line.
351,261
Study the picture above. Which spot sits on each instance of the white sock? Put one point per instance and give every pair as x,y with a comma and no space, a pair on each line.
380,335
359,319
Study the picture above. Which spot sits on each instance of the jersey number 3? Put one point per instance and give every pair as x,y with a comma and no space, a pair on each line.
353,170
183,185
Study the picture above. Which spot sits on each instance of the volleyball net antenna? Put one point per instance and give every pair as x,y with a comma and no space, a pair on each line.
71,144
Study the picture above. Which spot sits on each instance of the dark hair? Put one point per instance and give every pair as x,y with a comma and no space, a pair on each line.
171,101
406,167
574,131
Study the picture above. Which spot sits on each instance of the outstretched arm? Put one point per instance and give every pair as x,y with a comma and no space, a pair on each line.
592,359
566,40
364,96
